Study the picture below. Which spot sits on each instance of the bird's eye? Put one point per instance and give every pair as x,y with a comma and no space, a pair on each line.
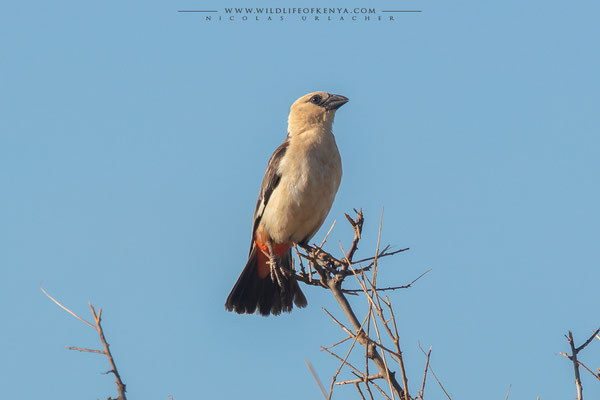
316,99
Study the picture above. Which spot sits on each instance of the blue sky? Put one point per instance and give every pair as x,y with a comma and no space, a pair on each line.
133,140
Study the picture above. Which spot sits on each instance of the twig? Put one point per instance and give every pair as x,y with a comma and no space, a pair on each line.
381,390
377,252
319,255
422,391
371,306
396,339
357,225
597,376
346,358
383,254
435,376
118,382
573,357
508,394
340,342
369,316
575,366
85,350
332,272
98,327
341,359
374,354
308,279
348,331
314,374
588,341
387,370
327,235
362,396
359,380
302,270
352,291
65,308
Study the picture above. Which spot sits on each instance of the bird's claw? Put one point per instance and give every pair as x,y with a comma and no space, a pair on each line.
277,274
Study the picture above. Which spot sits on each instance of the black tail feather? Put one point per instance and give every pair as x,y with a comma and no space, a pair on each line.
252,293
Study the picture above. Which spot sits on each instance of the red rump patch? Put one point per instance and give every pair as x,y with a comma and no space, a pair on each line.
262,259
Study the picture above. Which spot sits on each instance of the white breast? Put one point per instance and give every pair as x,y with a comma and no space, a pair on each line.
310,170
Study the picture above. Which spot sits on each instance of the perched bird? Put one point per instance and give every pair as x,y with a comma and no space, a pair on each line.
297,191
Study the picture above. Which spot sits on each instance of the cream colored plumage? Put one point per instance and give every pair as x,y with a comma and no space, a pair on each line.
310,172
297,192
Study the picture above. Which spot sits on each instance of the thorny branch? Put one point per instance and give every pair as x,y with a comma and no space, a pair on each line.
329,272
98,327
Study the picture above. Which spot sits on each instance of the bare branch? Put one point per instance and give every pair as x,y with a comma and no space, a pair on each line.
332,272
385,289
362,396
396,339
320,257
573,357
341,359
327,235
597,376
340,342
85,350
65,308
508,394
435,376
373,353
314,374
575,366
387,370
98,327
588,341
357,225
118,382
359,380
422,391
302,270
383,253
381,391
369,316
345,358
348,331
377,251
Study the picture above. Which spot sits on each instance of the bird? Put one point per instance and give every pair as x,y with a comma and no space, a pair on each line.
298,189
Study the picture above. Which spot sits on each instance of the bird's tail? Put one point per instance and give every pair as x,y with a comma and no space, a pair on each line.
254,291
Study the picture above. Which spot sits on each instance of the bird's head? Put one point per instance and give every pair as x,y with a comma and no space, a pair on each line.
314,110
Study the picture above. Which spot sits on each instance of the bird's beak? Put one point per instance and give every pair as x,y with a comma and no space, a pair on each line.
334,102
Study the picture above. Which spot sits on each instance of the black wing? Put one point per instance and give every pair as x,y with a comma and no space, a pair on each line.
269,183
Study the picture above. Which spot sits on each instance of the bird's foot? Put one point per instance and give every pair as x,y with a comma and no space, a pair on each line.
277,273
